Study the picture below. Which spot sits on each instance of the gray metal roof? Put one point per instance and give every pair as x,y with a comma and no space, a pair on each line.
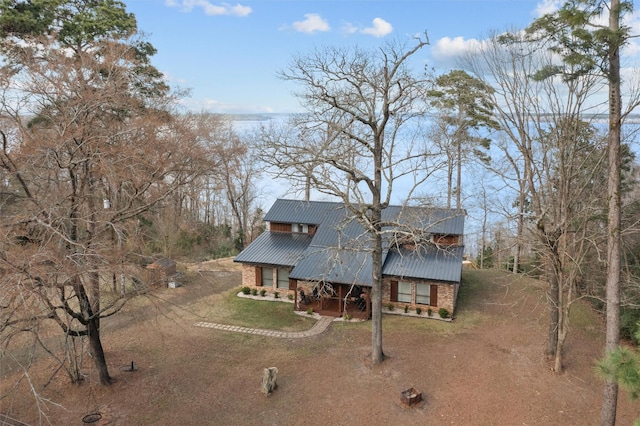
436,220
433,220
334,265
275,248
340,249
297,211
429,263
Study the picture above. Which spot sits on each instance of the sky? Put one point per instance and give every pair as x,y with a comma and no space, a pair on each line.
228,54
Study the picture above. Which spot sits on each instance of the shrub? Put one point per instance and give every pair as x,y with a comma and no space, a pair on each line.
347,317
276,294
429,311
254,291
419,311
290,296
263,292
406,309
629,323
245,290
310,311
443,313
391,306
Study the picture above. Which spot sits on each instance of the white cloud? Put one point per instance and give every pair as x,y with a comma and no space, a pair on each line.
380,28
210,8
312,23
546,7
349,28
447,50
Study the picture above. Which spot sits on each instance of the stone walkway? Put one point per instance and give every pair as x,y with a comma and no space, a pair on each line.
320,326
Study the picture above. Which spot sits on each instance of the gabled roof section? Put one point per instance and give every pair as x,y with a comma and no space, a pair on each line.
275,248
432,220
334,265
429,262
339,252
340,249
297,211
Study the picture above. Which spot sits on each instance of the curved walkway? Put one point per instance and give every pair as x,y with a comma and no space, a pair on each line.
320,326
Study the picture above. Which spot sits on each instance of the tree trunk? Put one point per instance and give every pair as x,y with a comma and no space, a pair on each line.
449,181
95,346
610,393
562,328
459,176
552,303
377,355
93,333
519,230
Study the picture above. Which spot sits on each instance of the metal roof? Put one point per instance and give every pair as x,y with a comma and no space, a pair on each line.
340,250
275,248
297,211
429,263
430,219
435,220
334,265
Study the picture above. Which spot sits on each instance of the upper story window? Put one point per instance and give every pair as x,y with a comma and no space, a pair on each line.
300,228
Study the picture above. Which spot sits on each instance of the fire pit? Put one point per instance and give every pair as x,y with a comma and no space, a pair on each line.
410,397
91,418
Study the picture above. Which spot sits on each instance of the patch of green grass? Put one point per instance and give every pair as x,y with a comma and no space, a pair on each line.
434,327
263,314
472,280
582,317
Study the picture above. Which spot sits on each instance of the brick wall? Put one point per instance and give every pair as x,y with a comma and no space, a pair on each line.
446,295
447,292
248,275
249,280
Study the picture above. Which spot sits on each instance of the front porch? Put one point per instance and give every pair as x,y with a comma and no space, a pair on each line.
335,300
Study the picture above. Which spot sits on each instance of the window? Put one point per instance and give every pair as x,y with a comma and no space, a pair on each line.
423,294
404,292
300,228
267,277
283,278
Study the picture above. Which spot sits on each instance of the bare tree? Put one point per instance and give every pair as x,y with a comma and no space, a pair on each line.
577,35
92,144
557,161
239,172
361,131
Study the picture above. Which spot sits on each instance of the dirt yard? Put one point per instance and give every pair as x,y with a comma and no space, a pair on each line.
484,368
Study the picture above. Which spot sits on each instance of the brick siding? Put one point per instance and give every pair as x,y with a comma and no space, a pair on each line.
446,295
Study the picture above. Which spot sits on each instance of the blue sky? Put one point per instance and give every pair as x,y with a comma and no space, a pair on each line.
228,53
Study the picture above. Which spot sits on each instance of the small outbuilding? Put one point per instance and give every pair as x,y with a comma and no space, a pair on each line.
162,272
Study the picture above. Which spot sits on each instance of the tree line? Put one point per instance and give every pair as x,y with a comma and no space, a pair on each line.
100,173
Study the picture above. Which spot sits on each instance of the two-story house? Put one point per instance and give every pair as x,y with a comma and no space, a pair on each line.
318,253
